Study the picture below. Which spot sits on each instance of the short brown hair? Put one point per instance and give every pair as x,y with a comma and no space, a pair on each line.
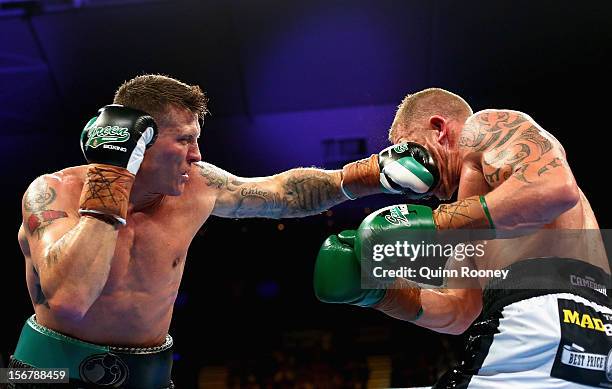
428,102
153,93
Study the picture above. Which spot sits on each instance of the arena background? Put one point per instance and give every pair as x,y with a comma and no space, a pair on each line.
291,83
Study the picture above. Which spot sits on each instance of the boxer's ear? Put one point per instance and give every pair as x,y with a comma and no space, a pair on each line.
439,124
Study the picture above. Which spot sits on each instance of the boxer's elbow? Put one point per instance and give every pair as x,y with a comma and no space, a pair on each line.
456,313
468,305
457,327
462,321
567,195
559,195
69,307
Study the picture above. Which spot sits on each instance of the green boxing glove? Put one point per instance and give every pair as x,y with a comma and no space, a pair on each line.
337,277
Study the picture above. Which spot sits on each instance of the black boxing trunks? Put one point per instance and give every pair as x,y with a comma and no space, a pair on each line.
91,365
536,331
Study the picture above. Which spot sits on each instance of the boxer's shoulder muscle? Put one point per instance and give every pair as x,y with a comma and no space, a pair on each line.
492,128
49,198
511,144
212,177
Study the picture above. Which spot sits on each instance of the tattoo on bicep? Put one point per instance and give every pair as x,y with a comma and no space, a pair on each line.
55,251
37,199
38,221
214,177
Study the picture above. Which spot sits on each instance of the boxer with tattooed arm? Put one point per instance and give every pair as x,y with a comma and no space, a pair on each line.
105,243
535,328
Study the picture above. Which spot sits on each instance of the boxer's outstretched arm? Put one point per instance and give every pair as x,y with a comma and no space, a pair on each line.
525,165
294,193
70,255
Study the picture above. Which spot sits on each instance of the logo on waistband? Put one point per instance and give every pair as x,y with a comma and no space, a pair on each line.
588,282
104,370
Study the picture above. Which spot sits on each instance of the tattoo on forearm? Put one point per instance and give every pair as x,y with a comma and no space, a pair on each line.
308,192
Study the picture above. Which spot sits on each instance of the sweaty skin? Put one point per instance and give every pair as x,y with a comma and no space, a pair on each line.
509,147
117,285
523,173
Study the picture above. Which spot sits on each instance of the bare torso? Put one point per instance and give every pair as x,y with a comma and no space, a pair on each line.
136,303
573,234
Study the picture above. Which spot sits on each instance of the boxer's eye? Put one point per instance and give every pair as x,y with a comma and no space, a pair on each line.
187,140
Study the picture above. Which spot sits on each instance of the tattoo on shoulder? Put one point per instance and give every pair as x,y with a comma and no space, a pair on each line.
37,199
512,142
38,196
483,132
215,177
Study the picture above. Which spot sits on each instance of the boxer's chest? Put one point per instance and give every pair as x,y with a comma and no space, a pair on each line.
151,250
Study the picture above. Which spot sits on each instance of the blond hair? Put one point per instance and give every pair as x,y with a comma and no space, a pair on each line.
432,101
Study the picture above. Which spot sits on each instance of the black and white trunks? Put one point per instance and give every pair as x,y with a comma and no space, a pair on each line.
535,332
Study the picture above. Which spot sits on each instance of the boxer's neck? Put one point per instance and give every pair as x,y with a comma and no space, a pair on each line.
141,199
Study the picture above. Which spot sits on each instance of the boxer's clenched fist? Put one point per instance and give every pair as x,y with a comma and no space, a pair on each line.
114,143
406,168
